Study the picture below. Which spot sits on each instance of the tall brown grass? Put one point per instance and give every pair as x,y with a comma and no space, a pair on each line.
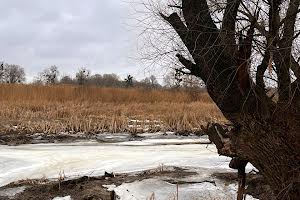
53,109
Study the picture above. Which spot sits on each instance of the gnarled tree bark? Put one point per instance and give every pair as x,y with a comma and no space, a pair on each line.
266,132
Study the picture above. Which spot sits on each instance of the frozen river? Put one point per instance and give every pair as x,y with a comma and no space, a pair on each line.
93,158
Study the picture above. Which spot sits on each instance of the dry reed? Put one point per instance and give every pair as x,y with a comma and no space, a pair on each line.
62,108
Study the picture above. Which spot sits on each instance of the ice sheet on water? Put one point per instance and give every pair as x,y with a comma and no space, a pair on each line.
164,191
153,142
93,159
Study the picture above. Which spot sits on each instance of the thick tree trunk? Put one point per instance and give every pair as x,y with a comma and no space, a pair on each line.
266,133
273,148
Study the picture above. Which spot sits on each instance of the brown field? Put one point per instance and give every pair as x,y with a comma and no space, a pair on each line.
53,109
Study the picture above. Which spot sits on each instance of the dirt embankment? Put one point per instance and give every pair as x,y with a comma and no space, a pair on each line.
13,138
17,138
93,188
87,188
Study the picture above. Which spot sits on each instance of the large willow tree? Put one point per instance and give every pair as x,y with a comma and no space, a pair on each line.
246,53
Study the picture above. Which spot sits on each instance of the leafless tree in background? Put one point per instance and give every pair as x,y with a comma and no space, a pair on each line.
11,74
149,82
110,80
1,72
241,49
82,76
49,75
66,80
129,81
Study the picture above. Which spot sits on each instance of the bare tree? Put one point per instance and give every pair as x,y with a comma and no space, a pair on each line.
66,80
111,80
82,76
153,81
2,72
174,79
129,81
12,74
95,79
145,83
149,82
239,48
171,81
192,82
49,75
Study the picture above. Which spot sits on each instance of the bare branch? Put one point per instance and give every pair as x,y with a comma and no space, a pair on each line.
257,25
180,28
186,63
285,52
228,26
202,28
261,71
175,6
295,67
197,15
195,69
289,25
175,21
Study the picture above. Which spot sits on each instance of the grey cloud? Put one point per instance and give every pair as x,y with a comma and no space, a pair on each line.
67,33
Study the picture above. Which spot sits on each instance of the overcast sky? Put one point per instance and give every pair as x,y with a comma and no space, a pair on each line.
70,34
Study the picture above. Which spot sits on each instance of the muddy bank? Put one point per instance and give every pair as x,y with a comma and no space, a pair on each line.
86,188
17,138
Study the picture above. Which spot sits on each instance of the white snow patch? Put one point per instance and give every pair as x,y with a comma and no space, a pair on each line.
11,192
63,198
110,187
162,190
152,142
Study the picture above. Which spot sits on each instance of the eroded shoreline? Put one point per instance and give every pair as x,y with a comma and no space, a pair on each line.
185,181
15,138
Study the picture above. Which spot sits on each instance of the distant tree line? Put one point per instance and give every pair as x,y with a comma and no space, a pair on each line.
14,74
